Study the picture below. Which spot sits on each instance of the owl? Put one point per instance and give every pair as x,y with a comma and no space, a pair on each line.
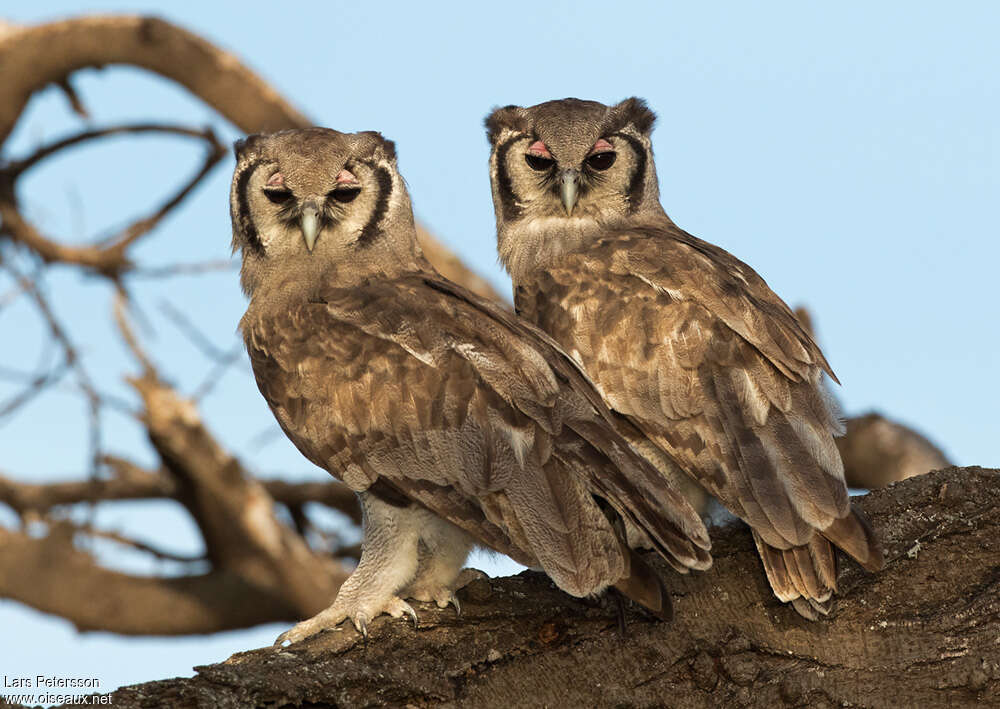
456,423
682,338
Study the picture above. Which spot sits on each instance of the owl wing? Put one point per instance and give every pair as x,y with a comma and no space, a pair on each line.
453,408
692,345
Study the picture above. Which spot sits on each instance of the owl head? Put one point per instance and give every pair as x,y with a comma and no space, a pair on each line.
309,198
563,166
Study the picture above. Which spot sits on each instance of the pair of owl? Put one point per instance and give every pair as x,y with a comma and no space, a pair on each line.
644,367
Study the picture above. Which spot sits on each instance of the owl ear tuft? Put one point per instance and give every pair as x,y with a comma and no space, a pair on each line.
243,145
634,111
508,117
374,141
389,147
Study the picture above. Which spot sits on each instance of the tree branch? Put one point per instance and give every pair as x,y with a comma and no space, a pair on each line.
52,576
923,632
132,482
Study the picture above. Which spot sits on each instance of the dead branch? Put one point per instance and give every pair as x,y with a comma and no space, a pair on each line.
52,576
110,258
878,451
132,482
921,633
212,74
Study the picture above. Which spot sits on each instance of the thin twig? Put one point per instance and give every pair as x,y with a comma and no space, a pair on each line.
214,376
191,331
184,269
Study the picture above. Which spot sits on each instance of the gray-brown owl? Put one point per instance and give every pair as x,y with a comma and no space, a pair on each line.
456,422
680,336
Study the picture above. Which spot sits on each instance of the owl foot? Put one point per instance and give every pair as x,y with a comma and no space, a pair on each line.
360,616
444,595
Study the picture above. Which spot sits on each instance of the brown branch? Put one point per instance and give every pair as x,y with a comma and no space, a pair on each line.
183,269
921,633
23,497
34,387
877,451
108,258
125,541
71,358
50,575
133,482
213,75
334,495
195,336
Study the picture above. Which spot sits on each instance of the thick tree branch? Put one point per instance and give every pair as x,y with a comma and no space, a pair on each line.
141,484
52,576
213,75
923,632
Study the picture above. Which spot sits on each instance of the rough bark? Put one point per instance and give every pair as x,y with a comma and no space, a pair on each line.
925,632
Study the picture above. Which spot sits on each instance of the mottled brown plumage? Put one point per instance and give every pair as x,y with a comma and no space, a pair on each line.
414,390
681,337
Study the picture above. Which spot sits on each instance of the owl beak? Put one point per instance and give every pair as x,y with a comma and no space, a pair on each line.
569,186
310,225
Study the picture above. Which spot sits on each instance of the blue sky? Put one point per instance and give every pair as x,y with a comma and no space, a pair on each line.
849,153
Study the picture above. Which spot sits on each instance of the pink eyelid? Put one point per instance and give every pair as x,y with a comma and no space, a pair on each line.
276,180
345,177
601,146
538,148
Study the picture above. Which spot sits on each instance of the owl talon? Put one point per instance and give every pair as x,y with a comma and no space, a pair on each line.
413,614
335,615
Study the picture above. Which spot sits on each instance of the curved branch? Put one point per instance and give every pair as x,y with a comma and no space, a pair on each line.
213,75
108,258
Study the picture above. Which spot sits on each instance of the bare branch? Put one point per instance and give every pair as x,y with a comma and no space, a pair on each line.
137,485
183,269
521,642
74,99
108,258
50,575
195,336
123,540
128,335
133,482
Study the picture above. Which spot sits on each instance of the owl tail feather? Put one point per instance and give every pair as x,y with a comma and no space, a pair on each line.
643,585
806,575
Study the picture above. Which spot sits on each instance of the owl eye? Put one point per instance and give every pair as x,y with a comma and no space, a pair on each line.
278,196
602,161
537,162
345,194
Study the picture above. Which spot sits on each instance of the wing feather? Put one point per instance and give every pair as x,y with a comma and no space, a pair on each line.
474,414
692,345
